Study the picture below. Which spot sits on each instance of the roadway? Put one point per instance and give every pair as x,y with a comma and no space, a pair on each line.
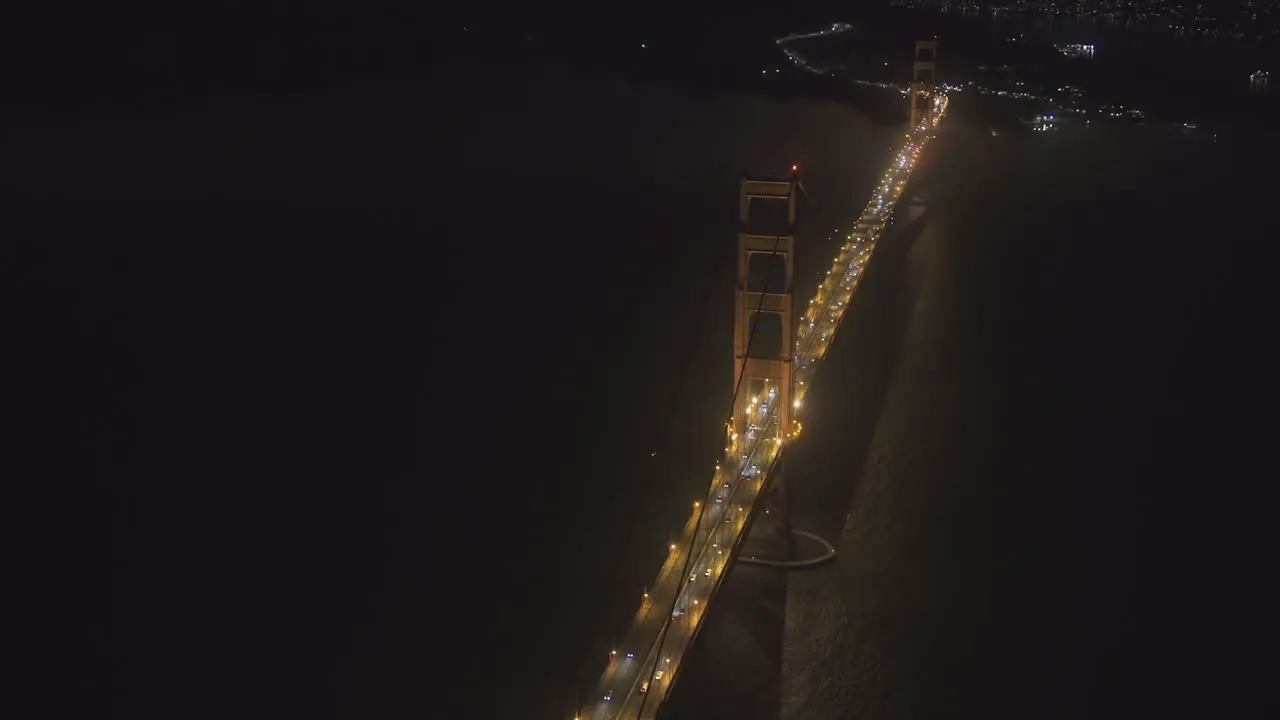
643,667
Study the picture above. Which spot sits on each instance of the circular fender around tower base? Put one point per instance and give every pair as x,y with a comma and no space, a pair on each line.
828,556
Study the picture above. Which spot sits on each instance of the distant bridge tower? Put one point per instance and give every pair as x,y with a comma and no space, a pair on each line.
923,76
765,302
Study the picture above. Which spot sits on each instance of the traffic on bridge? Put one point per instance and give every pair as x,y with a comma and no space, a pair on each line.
643,667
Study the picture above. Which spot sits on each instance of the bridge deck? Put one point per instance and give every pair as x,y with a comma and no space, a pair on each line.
644,667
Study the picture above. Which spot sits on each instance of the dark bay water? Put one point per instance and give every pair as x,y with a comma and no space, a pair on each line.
374,391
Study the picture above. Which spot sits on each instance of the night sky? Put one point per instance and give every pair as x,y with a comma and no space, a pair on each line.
364,368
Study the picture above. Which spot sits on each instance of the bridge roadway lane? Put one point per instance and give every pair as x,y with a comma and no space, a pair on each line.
620,693
699,590
621,672
648,654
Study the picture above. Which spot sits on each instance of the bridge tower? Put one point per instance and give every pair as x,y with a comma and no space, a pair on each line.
923,76
765,302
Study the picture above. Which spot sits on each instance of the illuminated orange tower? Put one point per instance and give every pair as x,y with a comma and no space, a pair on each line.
923,76
764,322
764,319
